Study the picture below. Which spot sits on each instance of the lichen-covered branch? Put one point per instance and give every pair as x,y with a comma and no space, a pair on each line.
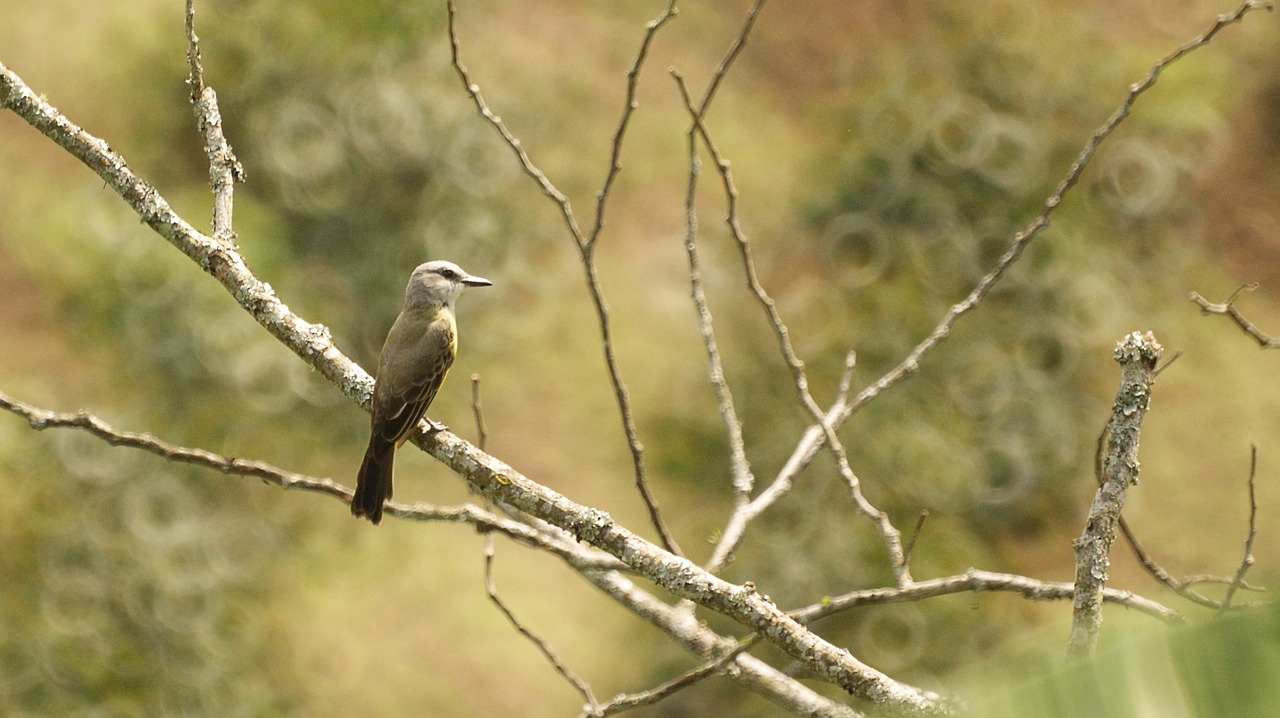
1137,354
224,169
487,474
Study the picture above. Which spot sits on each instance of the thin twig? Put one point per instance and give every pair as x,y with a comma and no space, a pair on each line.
42,419
628,108
976,581
890,535
482,431
1247,561
665,690
743,479
586,246
224,169
915,534
1138,355
491,590
1264,340
837,415
1181,587
491,586
735,528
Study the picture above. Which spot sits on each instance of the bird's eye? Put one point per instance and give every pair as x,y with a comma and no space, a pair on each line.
448,274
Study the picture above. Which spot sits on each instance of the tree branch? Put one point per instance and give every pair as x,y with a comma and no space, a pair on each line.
1247,561
1264,340
890,535
586,246
224,169
1138,355
838,414
486,473
975,581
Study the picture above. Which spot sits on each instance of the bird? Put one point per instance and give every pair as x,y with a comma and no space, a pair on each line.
414,361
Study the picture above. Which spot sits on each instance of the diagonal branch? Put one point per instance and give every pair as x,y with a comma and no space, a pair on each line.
586,245
743,480
669,688
43,419
1264,340
487,474
837,415
598,568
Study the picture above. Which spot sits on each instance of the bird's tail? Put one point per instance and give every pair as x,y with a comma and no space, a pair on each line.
373,485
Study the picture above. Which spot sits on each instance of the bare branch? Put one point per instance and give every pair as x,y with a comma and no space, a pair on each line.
661,692
743,479
1181,587
42,419
743,514
746,670
1228,308
491,590
486,473
1247,561
1137,355
482,431
837,415
224,169
890,535
975,581
915,534
491,586
586,248
629,107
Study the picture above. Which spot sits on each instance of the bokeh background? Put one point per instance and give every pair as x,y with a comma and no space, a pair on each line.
885,153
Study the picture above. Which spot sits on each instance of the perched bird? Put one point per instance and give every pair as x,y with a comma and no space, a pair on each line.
415,359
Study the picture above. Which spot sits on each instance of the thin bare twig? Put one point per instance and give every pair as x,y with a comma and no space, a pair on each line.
477,410
586,245
976,581
628,108
735,528
1247,561
1264,340
1138,355
224,169
1182,587
669,688
743,479
42,419
491,586
491,590
890,535
915,534
837,415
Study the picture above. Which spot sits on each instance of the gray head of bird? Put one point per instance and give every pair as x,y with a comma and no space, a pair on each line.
438,283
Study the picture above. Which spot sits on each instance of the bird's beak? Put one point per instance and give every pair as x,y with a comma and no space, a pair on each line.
476,282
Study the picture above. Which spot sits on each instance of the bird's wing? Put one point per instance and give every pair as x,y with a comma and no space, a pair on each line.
414,362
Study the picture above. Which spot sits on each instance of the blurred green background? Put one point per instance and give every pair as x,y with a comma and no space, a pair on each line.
885,153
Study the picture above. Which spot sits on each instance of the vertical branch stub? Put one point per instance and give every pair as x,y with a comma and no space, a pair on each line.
1138,354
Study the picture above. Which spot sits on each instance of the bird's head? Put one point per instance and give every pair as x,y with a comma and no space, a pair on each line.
438,283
